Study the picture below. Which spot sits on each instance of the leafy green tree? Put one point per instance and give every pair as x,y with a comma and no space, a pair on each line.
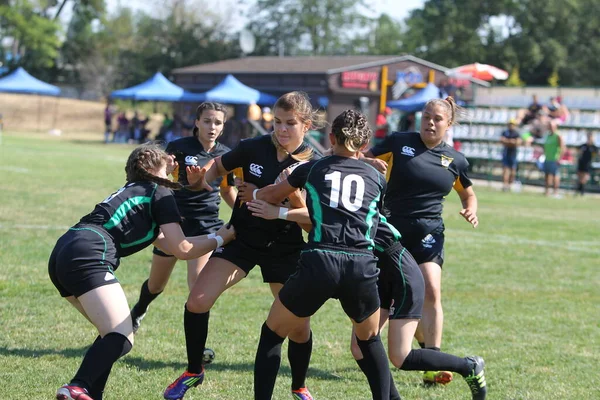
312,27
33,37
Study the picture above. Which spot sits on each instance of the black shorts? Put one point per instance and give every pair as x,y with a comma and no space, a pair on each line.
422,237
83,259
401,285
193,227
584,167
324,274
277,262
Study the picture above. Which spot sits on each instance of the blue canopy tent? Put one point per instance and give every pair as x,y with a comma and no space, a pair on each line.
157,88
19,81
417,101
232,91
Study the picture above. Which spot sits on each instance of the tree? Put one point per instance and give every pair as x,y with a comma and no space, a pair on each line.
315,27
34,38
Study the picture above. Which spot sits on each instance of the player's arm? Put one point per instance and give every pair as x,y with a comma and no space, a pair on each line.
262,209
469,204
275,193
228,194
173,241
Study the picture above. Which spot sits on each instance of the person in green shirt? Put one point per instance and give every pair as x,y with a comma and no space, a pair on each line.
554,147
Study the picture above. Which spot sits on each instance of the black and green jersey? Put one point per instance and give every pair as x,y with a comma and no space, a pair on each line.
257,159
343,199
387,235
132,215
203,204
420,178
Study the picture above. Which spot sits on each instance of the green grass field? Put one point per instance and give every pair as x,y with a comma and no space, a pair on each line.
522,290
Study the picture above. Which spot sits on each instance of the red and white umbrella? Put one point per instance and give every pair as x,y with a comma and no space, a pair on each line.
484,72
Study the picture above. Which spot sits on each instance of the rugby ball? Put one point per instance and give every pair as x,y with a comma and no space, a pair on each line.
286,172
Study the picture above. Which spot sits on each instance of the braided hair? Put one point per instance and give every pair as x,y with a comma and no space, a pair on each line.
351,129
144,158
208,105
298,102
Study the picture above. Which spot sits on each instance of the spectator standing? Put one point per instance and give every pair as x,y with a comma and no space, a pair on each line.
554,147
586,152
510,140
107,122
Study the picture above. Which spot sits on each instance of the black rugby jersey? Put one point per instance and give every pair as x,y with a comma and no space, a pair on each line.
419,178
587,151
343,196
203,205
132,215
257,157
387,235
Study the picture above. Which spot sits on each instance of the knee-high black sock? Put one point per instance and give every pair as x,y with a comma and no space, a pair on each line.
299,357
430,360
99,358
196,332
266,364
97,390
366,369
376,361
581,188
145,298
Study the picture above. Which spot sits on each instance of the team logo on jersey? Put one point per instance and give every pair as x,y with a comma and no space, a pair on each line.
256,169
191,160
428,241
446,161
408,151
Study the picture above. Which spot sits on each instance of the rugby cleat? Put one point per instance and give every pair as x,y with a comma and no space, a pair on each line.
301,394
476,378
437,377
136,318
187,380
67,392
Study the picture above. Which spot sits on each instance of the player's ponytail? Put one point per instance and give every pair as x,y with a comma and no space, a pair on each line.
351,129
145,158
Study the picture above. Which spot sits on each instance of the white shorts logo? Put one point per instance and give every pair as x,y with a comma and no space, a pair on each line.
218,250
408,151
109,277
256,169
428,241
191,160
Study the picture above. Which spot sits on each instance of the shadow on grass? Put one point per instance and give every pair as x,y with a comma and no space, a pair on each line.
146,364
36,353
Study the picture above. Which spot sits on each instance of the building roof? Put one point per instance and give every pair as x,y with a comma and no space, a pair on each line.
304,65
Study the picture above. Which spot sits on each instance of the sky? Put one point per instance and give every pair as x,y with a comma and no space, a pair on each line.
398,9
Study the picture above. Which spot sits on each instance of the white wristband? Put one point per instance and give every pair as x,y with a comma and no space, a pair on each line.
283,213
211,236
219,240
254,194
